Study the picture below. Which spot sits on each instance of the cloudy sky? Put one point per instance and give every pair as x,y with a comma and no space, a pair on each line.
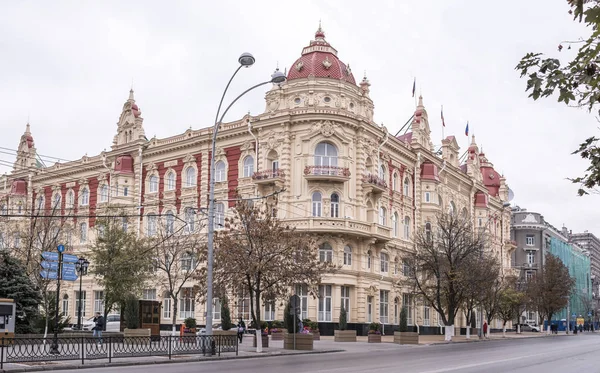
68,67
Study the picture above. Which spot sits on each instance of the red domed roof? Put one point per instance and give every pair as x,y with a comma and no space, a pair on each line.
320,60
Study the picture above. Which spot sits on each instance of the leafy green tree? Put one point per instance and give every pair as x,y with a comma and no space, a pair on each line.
132,311
576,83
48,316
225,315
343,324
120,262
510,300
15,284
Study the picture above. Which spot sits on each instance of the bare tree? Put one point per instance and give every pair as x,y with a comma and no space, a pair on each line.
550,289
261,254
177,251
441,263
480,277
510,299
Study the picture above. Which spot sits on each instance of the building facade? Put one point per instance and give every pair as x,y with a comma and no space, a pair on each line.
360,190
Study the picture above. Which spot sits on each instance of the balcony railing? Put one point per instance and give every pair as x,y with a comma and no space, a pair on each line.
268,174
375,180
333,173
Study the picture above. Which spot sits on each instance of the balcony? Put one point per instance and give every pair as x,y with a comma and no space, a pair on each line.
327,173
341,226
373,184
269,177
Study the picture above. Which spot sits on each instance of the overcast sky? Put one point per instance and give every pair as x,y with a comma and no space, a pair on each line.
68,67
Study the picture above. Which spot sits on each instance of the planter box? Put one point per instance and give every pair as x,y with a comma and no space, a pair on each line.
406,338
303,341
316,335
344,335
136,335
277,336
374,338
225,332
265,341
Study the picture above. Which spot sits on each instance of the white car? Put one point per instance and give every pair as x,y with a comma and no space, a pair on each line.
113,323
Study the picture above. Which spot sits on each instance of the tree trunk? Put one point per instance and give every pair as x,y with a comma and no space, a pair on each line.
504,329
174,317
258,326
468,315
449,333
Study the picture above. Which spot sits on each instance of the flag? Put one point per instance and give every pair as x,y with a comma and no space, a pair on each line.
467,129
443,122
414,87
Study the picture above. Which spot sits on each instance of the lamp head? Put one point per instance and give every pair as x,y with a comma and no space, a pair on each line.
278,77
246,59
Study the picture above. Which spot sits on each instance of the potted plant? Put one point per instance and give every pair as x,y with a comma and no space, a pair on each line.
190,327
295,337
343,334
374,335
227,327
314,329
131,311
264,332
277,330
404,336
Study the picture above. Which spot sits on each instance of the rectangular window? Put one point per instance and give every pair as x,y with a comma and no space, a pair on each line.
407,303
385,262
427,197
530,257
530,240
275,165
244,306
346,300
77,299
216,309
99,301
316,208
270,310
324,303
149,294
426,316
529,275
186,303
302,292
405,268
65,305
383,306
166,306
369,309
125,191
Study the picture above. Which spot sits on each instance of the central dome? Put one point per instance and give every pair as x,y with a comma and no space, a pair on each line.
320,60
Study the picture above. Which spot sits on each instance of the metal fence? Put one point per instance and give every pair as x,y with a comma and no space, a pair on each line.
27,350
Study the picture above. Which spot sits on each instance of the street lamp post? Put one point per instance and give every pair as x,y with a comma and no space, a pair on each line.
82,268
245,60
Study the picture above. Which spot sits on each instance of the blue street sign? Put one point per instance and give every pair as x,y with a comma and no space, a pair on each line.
50,256
61,248
50,265
69,276
68,258
589,314
68,268
50,275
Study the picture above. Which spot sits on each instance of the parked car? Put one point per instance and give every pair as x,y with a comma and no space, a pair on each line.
528,328
113,323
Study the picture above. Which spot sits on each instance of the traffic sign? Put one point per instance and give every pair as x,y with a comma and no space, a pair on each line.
50,265
69,277
68,268
68,258
50,275
50,255
589,314
61,248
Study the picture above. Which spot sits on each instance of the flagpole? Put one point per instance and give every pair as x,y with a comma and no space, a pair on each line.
443,125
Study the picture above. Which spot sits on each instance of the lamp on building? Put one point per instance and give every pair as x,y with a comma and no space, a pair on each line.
245,60
82,268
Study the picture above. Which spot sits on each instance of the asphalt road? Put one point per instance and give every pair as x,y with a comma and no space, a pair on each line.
548,355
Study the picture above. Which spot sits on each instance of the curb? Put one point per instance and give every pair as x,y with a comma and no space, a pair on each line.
495,339
160,362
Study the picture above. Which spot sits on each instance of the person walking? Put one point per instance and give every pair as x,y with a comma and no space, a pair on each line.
241,326
485,329
98,327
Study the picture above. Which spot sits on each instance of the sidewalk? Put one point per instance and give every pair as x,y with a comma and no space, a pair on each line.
246,351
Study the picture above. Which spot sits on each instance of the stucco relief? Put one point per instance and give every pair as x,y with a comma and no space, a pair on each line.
529,218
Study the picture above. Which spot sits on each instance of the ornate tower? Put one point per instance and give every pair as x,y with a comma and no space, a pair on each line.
130,126
26,152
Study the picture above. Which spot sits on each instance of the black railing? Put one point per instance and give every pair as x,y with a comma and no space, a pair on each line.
28,350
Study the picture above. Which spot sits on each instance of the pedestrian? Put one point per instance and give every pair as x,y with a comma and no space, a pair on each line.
98,327
485,328
241,326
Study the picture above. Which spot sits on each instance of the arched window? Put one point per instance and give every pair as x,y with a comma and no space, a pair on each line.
382,172
220,171
85,197
40,203
384,260
219,215
369,259
452,208
57,199
248,166
464,213
153,184
190,219
170,181
325,252
151,220
190,177
335,205
395,182
406,227
428,231
170,222
65,305
316,204
104,193
347,255
406,187
382,216
70,198
326,155
395,224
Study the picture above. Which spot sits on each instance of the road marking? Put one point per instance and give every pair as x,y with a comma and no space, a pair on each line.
467,366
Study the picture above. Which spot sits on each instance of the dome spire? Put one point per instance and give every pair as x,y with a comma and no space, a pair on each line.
320,34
